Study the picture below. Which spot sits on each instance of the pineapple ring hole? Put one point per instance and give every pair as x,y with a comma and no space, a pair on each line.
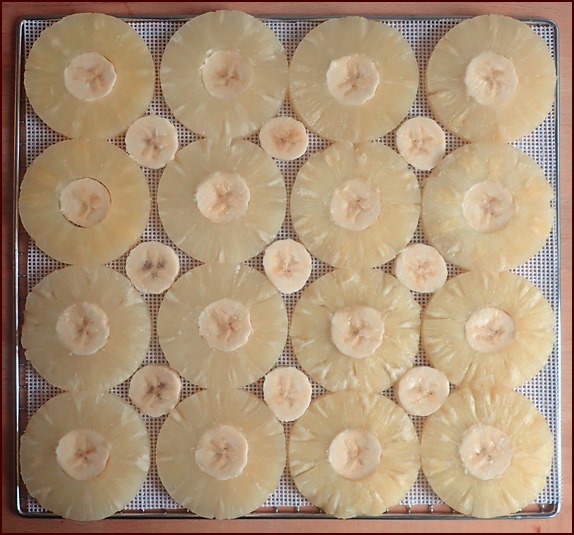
491,79
355,205
353,80
226,74
489,330
89,77
83,328
357,331
222,452
488,206
223,197
225,325
85,202
485,451
83,454
355,454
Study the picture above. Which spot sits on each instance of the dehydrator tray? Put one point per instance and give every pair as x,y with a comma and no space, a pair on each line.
32,136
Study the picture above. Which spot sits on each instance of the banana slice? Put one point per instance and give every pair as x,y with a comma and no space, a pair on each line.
152,267
353,80
83,328
225,324
89,76
489,330
421,268
287,265
284,138
355,205
355,454
287,391
488,206
490,79
222,452
152,141
357,331
85,202
422,390
421,142
155,389
83,454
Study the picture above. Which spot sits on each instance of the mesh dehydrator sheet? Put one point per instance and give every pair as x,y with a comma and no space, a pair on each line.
542,270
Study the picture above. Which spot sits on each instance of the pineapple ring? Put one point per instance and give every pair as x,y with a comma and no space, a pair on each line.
70,48
491,78
355,206
507,346
195,480
486,206
481,416
45,196
353,79
49,431
337,483
317,350
222,201
77,288
224,74
237,358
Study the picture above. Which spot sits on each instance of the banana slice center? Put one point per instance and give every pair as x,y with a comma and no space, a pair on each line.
355,205
83,454
83,328
491,79
85,202
353,80
355,454
89,77
223,197
357,331
226,74
225,324
489,330
488,206
485,451
222,452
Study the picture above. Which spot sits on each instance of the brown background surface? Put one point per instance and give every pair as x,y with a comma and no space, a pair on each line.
560,12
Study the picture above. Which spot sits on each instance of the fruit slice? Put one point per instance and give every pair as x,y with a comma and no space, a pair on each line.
84,202
152,267
89,75
422,390
355,330
85,328
287,391
491,77
355,206
288,265
222,325
488,328
221,201
487,206
155,389
284,138
354,454
152,141
421,142
223,74
220,453
420,268
353,79
78,462
487,453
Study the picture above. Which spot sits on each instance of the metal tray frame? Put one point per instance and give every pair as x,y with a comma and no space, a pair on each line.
21,240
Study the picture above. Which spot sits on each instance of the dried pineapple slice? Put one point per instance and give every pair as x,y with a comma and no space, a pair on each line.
354,454
486,206
224,74
487,453
491,78
89,75
72,434
355,206
356,330
195,472
85,328
488,328
353,79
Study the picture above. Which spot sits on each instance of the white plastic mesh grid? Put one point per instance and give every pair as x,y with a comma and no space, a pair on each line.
422,34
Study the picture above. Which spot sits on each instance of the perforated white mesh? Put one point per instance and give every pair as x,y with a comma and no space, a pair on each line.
543,390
